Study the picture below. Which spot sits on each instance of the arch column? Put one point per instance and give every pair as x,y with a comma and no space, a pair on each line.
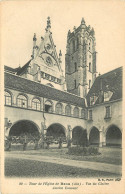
69,132
100,138
69,136
14,100
7,126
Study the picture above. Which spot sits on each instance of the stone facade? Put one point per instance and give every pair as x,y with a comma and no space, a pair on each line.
80,58
36,96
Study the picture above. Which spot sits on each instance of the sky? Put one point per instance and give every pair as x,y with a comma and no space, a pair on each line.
21,19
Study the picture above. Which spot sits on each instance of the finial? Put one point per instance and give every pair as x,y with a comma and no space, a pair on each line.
92,32
74,28
34,37
48,24
60,53
82,21
69,32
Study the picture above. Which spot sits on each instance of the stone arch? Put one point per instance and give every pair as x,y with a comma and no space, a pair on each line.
68,110
48,105
113,136
36,103
36,97
24,127
56,131
10,97
59,108
79,136
23,94
6,90
94,136
76,112
20,102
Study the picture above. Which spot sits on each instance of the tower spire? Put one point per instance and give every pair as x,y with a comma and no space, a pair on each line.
48,24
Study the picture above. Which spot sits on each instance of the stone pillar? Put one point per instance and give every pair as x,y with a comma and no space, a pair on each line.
104,139
54,107
29,105
43,134
7,126
14,100
72,110
100,138
69,136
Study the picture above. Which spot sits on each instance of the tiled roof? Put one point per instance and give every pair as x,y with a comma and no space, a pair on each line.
31,87
10,69
111,81
22,69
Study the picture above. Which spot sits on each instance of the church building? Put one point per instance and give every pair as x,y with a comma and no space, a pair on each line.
40,99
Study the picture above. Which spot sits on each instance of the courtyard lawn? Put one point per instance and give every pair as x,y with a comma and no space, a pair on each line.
27,168
108,154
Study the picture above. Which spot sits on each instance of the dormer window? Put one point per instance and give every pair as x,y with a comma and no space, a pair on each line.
107,96
93,100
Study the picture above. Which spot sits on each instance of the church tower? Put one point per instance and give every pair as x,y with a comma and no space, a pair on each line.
80,59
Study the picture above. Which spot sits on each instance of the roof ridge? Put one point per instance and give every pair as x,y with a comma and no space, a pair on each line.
44,85
110,71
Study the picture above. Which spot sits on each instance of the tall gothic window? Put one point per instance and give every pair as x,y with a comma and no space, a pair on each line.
59,108
77,42
76,112
36,104
48,106
68,110
73,46
75,64
75,83
89,84
22,101
90,68
8,98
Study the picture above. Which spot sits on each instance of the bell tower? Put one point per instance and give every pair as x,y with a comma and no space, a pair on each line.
80,59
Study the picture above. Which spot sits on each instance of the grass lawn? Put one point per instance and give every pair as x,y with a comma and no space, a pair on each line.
28,168
108,155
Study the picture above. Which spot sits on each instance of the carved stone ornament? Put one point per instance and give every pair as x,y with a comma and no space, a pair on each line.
49,61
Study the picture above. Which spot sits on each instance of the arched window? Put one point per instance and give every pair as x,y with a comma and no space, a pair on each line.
75,64
77,42
90,69
68,110
73,46
22,101
48,106
36,104
8,98
76,112
59,108
83,114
